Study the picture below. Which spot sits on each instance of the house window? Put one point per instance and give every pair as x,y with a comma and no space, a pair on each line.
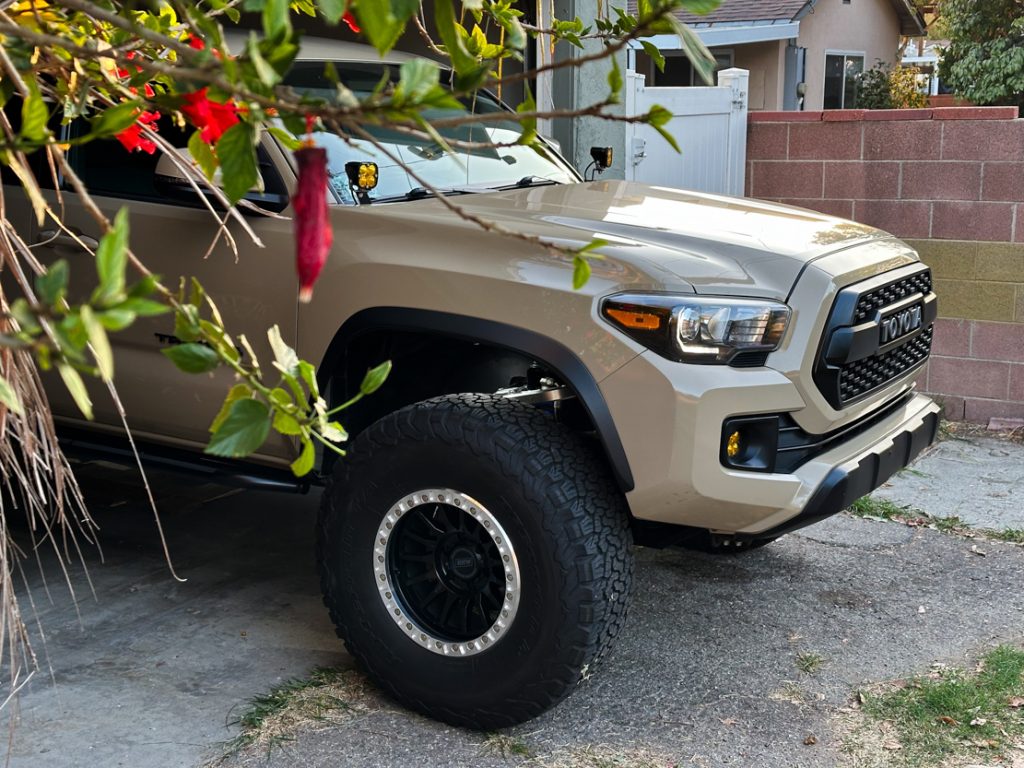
678,70
841,70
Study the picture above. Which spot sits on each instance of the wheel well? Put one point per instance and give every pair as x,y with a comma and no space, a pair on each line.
436,353
424,365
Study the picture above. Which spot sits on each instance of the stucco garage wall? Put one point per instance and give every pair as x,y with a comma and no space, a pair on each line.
951,183
766,63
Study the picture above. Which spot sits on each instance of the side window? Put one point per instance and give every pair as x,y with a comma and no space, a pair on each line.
110,170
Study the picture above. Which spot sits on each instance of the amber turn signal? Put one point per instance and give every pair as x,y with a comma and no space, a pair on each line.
645,321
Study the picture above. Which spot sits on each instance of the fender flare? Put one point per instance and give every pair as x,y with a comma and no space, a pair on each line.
545,350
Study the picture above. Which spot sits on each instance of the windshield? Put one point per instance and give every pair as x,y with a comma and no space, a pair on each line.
487,166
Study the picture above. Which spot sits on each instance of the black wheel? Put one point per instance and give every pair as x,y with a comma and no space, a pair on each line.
475,557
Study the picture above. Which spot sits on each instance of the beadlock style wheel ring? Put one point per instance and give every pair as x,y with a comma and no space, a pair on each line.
446,572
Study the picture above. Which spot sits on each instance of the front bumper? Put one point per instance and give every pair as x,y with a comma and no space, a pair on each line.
675,459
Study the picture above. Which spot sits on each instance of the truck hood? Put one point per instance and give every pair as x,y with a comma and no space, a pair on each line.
712,244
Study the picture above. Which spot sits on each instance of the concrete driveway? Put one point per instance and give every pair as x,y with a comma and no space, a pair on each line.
705,673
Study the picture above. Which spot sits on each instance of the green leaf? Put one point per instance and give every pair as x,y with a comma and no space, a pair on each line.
285,359
237,152
529,124
143,307
655,53
115,119
264,71
383,21
448,31
9,397
286,424
243,431
52,284
34,115
416,80
308,374
192,358
334,432
375,377
111,260
580,272
202,153
331,10
289,141
669,138
73,381
186,323
302,465
237,392
276,23
101,350
615,80
117,318
700,57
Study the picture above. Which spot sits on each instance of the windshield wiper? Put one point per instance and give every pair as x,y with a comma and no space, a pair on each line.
527,181
418,193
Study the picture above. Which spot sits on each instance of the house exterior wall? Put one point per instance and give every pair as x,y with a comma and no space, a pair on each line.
870,27
766,63
951,183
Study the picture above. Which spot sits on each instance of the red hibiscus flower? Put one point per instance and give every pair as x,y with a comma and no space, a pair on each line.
313,235
210,117
132,139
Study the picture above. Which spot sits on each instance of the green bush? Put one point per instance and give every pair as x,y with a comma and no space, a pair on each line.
885,87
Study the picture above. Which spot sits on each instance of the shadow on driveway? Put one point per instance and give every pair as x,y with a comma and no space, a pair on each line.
704,673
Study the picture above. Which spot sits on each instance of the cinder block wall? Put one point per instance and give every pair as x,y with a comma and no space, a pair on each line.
950,181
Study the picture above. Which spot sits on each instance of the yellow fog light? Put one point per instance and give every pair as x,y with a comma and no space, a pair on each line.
362,176
732,445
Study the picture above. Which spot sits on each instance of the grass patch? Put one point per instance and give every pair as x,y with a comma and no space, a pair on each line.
880,509
955,714
1012,535
328,696
506,746
809,662
602,756
871,508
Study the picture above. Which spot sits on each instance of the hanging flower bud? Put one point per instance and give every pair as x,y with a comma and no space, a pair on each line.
313,235
350,22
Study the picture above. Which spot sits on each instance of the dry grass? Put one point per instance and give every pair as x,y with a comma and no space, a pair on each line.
604,756
328,697
36,482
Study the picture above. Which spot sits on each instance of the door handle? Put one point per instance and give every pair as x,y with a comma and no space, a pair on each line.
59,237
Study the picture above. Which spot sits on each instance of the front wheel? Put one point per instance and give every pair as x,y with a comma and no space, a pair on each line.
475,557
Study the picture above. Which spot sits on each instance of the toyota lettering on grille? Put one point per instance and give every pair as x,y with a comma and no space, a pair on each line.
900,324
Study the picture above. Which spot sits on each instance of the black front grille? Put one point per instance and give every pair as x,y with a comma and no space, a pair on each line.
872,301
852,361
864,376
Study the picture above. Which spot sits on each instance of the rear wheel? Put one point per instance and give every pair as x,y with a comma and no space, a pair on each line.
475,557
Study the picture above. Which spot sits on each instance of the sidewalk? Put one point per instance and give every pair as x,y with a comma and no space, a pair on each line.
978,479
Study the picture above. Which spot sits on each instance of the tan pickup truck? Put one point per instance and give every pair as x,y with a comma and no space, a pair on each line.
733,370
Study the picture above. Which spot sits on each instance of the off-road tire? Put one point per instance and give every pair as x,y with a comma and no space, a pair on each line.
551,491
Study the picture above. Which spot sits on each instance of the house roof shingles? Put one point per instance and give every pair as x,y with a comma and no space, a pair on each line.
747,10
739,11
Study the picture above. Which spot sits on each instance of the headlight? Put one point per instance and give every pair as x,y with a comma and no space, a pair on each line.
696,329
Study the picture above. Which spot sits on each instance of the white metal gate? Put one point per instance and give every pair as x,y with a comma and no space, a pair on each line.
710,126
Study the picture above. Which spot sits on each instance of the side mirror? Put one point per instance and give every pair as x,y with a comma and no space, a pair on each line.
172,183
